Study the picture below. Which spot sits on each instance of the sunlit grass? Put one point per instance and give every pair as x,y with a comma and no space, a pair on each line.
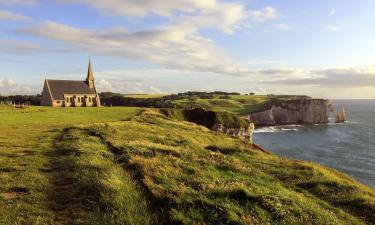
108,166
26,168
103,192
202,177
239,104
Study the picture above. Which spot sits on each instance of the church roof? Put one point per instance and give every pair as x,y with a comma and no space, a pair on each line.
60,87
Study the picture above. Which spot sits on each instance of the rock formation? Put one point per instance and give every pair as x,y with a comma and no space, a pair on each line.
297,111
340,117
245,133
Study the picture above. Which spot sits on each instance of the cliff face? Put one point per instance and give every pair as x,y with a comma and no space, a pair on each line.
297,111
245,133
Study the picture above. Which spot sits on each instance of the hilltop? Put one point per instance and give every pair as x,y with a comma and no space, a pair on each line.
136,166
217,101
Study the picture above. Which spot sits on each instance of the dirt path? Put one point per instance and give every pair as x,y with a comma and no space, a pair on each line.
60,195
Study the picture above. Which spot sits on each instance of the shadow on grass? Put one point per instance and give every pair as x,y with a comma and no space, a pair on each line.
61,194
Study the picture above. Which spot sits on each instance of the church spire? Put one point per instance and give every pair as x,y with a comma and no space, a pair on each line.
90,76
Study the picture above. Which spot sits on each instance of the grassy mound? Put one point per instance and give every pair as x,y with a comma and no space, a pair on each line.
185,174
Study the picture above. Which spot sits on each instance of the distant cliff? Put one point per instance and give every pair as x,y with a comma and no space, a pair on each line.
303,110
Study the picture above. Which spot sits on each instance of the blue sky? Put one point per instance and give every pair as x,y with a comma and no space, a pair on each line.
319,48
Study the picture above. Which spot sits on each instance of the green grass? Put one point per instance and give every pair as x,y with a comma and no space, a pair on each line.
120,166
238,104
26,164
101,191
199,177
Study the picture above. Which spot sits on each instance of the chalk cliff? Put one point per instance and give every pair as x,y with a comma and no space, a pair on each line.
245,133
304,110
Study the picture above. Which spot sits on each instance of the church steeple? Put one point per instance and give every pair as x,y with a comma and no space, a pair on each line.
90,76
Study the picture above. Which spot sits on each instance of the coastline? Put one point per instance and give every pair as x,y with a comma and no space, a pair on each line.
347,147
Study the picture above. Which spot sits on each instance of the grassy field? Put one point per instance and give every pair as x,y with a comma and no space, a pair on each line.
238,104
27,162
111,166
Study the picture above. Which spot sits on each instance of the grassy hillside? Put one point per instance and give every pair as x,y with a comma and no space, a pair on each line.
58,167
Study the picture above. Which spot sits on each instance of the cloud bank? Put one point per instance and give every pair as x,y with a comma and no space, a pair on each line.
346,77
178,43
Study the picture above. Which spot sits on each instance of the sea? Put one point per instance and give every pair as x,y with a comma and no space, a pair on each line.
348,147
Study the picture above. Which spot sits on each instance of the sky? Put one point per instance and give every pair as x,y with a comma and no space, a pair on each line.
321,48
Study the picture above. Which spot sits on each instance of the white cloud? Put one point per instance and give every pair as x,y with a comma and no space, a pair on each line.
332,12
173,47
145,7
267,13
24,47
187,14
5,83
104,85
283,26
336,77
10,87
12,46
27,2
178,43
7,15
334,28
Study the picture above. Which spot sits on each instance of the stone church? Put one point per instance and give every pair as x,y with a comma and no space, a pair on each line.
71,93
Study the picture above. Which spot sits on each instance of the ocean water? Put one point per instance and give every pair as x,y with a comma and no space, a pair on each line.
348,147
